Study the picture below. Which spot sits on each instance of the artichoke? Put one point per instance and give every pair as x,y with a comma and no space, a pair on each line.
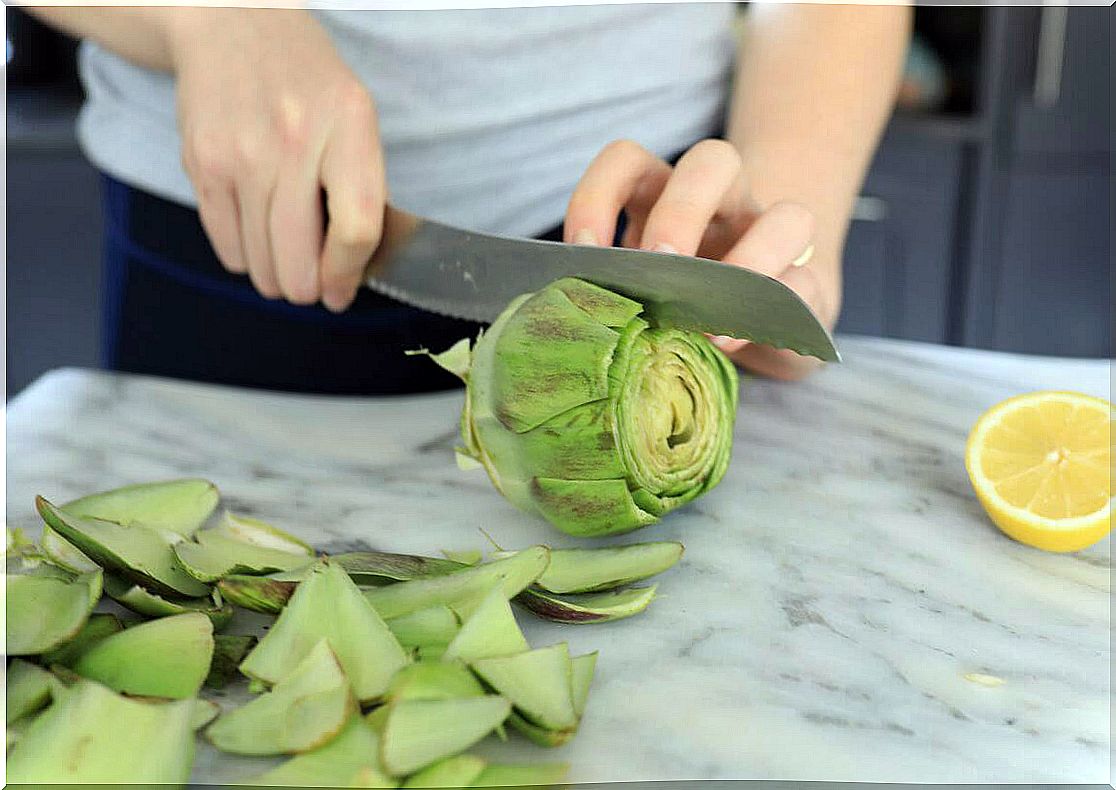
585,414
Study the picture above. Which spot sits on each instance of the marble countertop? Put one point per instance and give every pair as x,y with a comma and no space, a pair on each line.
838,592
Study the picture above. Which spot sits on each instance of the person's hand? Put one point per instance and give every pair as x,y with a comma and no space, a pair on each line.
702,207
270,116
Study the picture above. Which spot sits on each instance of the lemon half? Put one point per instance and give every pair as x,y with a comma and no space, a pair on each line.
1041,465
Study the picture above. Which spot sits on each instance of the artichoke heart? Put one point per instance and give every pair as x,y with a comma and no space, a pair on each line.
583,412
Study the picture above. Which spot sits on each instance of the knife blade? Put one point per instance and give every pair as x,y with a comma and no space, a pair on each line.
469,275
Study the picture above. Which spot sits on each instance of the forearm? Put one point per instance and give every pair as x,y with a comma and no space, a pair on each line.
152,36
815,85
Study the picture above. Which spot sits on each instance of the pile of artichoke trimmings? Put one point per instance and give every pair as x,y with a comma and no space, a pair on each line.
381,669
584,413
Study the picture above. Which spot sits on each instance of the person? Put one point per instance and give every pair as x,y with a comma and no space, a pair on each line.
249,153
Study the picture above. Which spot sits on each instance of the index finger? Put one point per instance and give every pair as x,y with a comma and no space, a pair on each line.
608,185
352,173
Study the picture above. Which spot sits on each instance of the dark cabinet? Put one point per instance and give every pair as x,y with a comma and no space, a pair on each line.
992,227
900,246
1039,268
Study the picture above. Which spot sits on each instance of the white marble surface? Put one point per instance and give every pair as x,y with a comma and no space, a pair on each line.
837,587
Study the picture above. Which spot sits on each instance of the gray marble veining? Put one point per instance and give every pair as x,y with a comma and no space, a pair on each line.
839,589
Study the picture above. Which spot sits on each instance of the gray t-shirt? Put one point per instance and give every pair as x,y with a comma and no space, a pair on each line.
488,117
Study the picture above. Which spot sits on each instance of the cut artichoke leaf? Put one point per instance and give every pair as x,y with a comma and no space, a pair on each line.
466,462
538,682
105,739
420,732
540,736
179,506
593,570
65,554
14,731
328,605
142,555
434,626
205,711
582,668
464,556
97,627
373,568
18,546
214,556
524,775
168,657
257,593
588,608
491,630
44,612
147,603
261,534
433,680
301,712
228,651
377,567
270,594
457,771
353,754
30,688
456,359
601,427
512,574
376,718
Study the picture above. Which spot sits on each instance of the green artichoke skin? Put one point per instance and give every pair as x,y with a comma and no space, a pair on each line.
585,414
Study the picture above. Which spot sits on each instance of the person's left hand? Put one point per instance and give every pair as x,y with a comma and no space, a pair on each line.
702,206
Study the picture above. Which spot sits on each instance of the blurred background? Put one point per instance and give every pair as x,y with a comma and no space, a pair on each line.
985,220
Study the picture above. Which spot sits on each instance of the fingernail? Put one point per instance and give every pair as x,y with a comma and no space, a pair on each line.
664,247
804,258
586,237
335,303
720,341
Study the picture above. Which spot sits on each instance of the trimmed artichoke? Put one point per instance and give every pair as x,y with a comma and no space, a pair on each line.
584,413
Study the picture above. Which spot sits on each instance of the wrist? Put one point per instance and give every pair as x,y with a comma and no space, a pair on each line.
183,28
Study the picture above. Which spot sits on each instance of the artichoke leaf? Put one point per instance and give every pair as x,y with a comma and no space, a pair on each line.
168,657
328,605
140,554
65,554
212,555
30,688
461,586
435,626
179,506
147,603
107,739
228,651
457,771
259,533
44,612
301,712
491,630
419,732
97,627
593,570
538,682
256,593
434,680
587,608
351,759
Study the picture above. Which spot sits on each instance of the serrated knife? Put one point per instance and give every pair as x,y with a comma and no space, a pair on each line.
473,276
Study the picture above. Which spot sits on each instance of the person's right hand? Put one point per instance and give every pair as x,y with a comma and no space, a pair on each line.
270,116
